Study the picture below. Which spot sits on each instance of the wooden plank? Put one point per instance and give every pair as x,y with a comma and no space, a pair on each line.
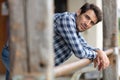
18,48
40,29
110,37
31,39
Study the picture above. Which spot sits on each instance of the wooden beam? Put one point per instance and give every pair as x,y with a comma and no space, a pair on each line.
39,16
110,38
18,49
31,43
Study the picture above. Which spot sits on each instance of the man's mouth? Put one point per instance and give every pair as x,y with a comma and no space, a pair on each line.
83,27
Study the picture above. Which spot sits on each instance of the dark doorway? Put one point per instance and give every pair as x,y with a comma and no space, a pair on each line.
60,6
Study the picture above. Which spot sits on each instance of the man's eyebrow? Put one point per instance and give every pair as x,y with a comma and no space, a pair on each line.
90,19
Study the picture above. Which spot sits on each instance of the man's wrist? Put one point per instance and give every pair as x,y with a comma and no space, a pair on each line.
91,60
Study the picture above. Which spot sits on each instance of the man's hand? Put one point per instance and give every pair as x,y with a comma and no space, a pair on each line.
101,60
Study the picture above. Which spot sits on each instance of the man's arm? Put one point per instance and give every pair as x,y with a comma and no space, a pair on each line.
85,44
101,59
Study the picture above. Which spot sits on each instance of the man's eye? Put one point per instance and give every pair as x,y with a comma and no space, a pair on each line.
87,16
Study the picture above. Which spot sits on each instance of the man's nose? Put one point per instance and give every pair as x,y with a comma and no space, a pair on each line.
88,22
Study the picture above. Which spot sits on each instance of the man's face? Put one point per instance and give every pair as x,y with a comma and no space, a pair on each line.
86,20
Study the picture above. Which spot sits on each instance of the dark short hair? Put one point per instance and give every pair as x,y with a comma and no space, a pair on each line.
93,7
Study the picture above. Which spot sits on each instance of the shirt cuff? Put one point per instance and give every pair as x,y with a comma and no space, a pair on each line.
95,49
94,55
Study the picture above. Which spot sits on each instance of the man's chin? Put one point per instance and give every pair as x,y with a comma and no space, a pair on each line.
80,30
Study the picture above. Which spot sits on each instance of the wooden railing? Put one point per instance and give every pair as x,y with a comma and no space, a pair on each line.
72,67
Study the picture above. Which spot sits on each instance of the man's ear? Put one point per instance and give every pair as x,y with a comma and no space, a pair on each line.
78,12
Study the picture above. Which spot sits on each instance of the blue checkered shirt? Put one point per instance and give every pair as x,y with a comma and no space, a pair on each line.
68,40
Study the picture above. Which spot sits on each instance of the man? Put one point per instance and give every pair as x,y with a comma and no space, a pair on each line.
68,38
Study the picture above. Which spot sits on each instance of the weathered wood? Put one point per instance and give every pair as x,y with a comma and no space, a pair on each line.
31,39
40,34
110,37
18,48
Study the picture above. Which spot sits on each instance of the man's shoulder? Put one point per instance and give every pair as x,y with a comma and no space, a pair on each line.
61,14
64,14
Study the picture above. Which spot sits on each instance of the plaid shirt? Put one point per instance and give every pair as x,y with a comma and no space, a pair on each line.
67,39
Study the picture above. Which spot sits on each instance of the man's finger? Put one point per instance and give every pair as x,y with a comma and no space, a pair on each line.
100,66
95,63
98,61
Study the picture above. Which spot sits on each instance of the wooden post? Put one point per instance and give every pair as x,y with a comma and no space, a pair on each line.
110,37
31,33
18,46
40,29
